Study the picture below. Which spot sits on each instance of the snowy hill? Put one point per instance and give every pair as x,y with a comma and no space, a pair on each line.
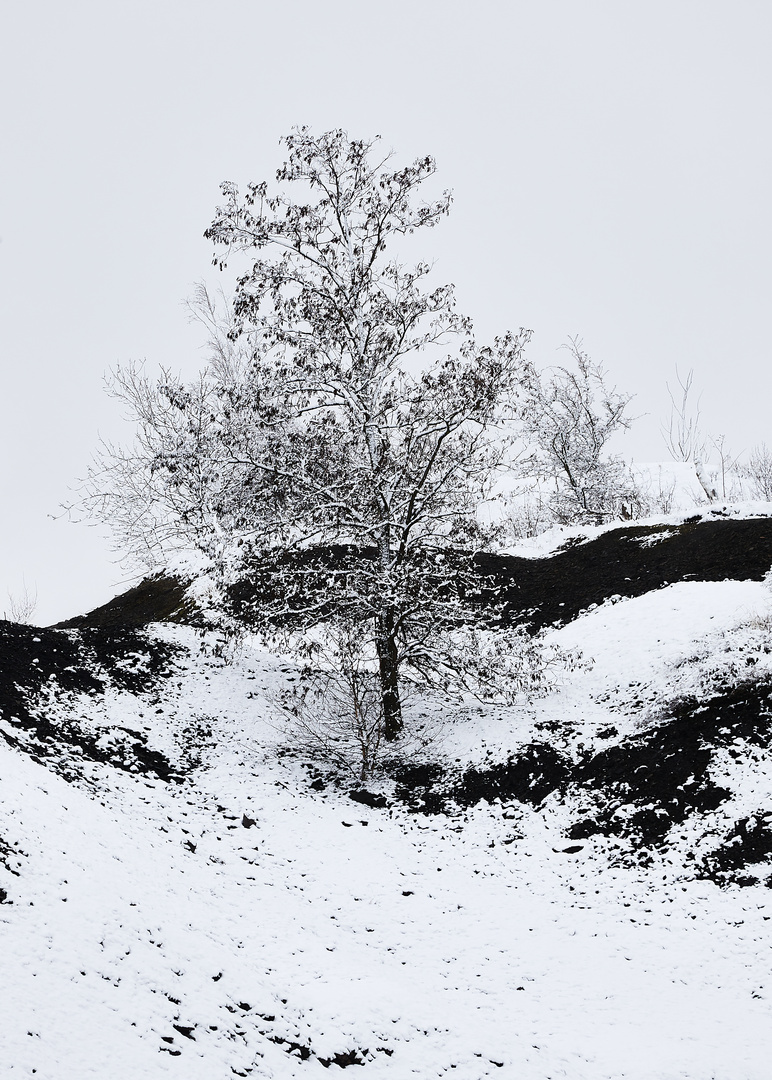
577,887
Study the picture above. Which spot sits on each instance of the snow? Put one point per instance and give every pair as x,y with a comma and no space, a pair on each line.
637,638
556,537
257,914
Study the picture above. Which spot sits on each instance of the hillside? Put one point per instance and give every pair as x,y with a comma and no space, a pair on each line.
575,887
623,562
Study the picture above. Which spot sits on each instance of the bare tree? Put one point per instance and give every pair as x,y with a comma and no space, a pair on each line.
21,606
759,472
335,709
325,476
570,418
683,434
728,472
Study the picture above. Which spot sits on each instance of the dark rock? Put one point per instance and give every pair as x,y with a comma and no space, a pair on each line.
186,1032
369,798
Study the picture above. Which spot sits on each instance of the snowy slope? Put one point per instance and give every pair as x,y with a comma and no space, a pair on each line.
238,921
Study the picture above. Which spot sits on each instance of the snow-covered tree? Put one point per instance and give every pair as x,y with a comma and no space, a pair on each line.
331,458
683,434
758,472
571,416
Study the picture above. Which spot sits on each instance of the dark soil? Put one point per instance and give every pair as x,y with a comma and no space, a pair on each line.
659,777
424,788
528,777
9,856
35,663
536,771
619,563
664,773
540,592
748,844
369,798
156,599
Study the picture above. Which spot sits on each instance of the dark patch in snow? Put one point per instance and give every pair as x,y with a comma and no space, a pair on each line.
369,798
37,665
539,592
291,1047
649,782
10,861
423,787
747,845
9,857
640,787
342,1059
186,1032
557,588
528,776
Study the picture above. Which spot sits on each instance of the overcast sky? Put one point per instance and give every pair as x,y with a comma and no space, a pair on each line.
610,162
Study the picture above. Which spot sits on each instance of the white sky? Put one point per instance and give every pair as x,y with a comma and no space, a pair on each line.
611,167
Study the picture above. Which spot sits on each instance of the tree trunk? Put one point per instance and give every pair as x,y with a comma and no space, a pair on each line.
389,674
711,492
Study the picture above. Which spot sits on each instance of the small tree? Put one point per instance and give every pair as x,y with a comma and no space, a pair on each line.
759,472
318,466
726,479
335,710
683,434
21,606
570,418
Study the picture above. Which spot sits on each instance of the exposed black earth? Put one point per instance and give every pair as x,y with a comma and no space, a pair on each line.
640,787
629,562
537,771
748,845
155,599
662,776
38,664
626,562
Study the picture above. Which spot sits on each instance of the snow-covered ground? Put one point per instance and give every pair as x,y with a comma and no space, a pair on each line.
558,536
242,923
